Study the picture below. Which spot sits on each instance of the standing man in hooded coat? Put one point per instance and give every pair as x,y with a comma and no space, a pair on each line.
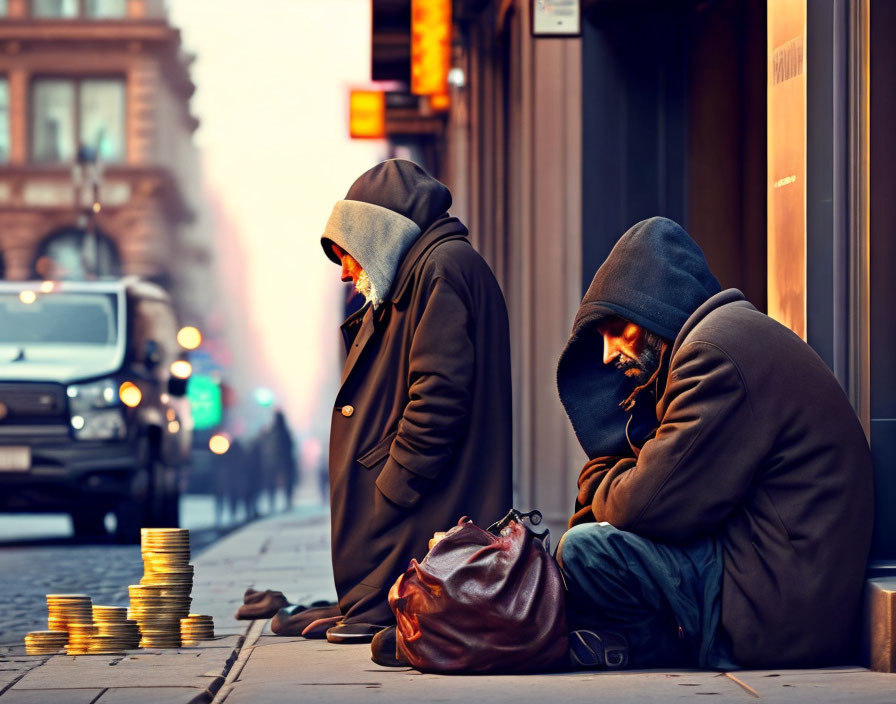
421,426
724,517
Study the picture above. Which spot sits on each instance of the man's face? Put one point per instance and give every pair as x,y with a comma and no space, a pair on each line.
351,270
626,346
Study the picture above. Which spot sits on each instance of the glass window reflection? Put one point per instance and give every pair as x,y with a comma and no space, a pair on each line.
102,118
67,113
4,121
106,9
54,8
53,129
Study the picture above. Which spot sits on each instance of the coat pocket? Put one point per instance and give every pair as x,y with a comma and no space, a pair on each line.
378,453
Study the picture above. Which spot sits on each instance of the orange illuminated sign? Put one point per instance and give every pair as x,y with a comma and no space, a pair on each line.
430,46
440,102
367,114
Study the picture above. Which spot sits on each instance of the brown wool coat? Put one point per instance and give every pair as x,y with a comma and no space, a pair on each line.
757,444
427,437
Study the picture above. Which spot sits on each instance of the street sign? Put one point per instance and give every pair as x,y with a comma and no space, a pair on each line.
367,114
430,46
204,394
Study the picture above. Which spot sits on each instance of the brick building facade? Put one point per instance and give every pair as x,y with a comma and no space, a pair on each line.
109,75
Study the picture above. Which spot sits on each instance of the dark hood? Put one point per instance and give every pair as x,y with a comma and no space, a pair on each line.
655,276
384,213
405,188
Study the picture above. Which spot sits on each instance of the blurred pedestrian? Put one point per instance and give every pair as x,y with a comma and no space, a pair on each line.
284,456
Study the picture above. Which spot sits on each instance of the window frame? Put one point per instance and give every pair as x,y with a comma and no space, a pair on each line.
4,79
80,14
76,80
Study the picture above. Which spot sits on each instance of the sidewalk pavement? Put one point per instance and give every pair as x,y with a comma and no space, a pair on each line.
246,664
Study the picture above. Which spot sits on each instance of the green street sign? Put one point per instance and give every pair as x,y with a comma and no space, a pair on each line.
204,395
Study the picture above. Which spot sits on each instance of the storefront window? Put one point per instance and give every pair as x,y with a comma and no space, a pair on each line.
97,121
68,255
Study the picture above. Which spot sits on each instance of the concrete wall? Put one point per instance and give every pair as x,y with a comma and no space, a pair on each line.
515,168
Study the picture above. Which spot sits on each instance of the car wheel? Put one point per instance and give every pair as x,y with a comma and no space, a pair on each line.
164,500
129,519
89,523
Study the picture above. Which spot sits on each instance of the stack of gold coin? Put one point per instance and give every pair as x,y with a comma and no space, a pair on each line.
45,642
80,636
177,580
164,548
166,558
115,633
163,596
195,628
158,612
68,608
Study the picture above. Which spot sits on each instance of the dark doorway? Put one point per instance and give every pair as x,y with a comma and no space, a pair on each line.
883,283
674,125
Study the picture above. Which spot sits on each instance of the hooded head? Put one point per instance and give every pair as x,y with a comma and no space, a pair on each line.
384,212
656,277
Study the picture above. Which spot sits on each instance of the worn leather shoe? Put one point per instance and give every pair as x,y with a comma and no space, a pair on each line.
598,650
261,604
318,629
384,649
292,621
353,632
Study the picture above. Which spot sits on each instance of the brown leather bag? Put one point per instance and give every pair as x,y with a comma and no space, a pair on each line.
483,602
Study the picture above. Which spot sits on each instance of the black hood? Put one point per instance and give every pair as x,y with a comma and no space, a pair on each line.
383,214
656,276
405,188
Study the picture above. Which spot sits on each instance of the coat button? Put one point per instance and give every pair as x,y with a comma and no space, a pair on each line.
348,410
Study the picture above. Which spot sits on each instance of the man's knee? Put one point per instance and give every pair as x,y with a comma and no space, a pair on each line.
585,544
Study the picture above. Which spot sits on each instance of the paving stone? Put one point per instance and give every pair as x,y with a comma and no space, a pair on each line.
152,695
51,696
822,686
390,686
168,668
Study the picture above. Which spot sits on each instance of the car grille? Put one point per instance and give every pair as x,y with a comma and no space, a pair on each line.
32,404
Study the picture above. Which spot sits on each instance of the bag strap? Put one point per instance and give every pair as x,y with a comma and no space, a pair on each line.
527,519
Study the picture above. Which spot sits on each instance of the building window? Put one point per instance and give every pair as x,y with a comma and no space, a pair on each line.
94,9
54,8
106,9
67,113
4,121
69,254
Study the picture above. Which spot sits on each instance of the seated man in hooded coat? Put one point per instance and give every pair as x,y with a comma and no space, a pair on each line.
724,516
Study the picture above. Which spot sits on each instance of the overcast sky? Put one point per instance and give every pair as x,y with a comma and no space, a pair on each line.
272,89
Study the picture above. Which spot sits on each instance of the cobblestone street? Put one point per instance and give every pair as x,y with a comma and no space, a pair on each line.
30,573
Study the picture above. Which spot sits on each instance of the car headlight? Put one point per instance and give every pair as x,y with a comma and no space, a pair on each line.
96,412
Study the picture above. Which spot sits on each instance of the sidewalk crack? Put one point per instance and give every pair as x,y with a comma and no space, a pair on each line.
743,684
97,697
236,668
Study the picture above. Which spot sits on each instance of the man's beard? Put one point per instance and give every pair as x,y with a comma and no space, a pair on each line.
365,287
646,363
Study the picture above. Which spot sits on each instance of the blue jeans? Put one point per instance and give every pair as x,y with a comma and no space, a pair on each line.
664,599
